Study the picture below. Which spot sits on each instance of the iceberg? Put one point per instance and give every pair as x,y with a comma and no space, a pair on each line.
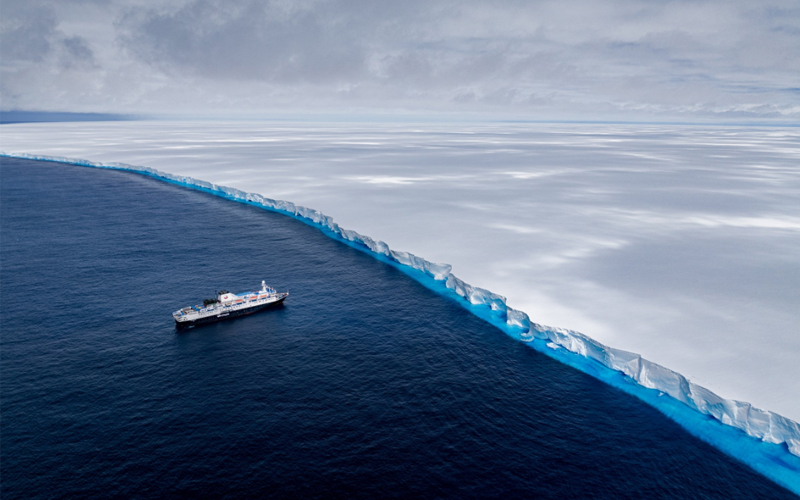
650,381
674,242
764,425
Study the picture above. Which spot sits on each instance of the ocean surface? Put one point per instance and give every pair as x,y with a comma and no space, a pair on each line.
678,243
365,384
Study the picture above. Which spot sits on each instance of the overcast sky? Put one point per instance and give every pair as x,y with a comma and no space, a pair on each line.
615,60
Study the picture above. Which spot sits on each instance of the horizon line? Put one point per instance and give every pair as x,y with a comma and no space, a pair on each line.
10,117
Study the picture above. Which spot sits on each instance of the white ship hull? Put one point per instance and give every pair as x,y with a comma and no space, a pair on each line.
227,306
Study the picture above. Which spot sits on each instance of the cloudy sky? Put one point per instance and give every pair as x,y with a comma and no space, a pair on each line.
538,60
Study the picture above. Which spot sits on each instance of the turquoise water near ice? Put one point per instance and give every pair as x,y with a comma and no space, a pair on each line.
374,380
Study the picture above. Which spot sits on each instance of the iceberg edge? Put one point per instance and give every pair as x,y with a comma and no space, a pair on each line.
764,425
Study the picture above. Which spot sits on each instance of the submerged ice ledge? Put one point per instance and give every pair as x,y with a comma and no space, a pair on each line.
762,424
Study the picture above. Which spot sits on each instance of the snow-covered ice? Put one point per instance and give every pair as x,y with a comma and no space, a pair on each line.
678,243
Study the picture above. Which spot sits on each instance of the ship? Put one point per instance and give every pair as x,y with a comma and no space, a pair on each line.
228,305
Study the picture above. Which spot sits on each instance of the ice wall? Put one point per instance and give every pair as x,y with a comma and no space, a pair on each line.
675,242
764,425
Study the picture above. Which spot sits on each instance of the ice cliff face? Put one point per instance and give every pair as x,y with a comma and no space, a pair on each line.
675,242
764,425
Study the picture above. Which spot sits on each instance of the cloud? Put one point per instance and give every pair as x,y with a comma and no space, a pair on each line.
545,59
27,33
244,40
30,34
77,49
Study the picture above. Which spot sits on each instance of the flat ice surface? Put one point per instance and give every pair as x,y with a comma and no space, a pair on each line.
680,243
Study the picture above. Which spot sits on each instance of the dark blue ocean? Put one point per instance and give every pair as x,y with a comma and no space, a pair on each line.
365,384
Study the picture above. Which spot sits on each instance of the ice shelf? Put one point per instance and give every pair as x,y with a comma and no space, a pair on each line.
762,424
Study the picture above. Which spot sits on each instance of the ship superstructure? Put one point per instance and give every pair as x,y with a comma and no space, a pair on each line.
228,305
